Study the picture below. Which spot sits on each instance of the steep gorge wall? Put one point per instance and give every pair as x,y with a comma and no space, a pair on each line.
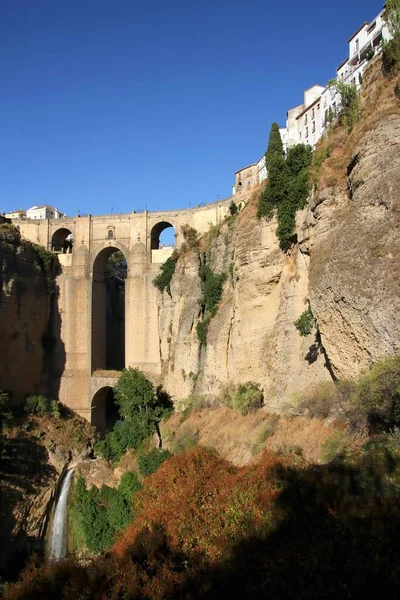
252,337
354,244
26,315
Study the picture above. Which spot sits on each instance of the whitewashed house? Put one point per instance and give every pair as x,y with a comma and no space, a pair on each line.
262,172
363,45
44,212
304,121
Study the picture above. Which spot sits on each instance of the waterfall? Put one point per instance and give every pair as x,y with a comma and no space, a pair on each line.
58,542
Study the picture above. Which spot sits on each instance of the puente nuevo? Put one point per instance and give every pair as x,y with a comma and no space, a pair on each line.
84,377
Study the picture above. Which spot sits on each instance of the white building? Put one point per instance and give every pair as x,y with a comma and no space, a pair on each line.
284,137
303,121
44,212
363,45
262,172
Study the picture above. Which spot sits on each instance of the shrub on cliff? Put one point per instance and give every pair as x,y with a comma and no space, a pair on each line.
350,108
191,237
377,397
306,322
211,287
40,405
163,280
248,398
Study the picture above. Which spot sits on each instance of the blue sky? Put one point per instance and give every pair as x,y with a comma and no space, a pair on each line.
116,106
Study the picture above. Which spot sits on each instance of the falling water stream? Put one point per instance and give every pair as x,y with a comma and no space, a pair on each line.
58,541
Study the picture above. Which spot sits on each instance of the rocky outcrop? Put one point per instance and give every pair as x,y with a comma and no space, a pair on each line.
27,319
354,245
252,337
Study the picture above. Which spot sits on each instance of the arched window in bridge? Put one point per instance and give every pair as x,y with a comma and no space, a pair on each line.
110,234
162,234
59,242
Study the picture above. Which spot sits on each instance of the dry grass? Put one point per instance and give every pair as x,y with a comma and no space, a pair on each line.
239,438
378,100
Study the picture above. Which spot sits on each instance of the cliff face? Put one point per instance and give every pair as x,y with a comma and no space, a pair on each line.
26,315
252,336
354,240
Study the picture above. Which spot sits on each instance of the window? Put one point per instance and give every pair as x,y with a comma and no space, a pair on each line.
313,127
357,45
313,113
318,106
305,120
110,234
306,132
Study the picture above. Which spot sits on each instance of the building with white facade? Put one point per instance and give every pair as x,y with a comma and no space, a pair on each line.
262,172
303,121
44,212
363,45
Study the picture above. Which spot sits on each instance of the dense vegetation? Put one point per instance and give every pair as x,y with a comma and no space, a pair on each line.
95,516
163,279
140,407
211,288
41,405
287,186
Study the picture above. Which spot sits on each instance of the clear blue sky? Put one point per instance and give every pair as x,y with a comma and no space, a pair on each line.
130,104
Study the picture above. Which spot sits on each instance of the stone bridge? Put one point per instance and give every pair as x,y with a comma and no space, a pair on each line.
82,372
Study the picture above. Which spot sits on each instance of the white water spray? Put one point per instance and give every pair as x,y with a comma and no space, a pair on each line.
58,542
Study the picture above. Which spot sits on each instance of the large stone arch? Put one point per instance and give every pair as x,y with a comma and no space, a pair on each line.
108,329
97,256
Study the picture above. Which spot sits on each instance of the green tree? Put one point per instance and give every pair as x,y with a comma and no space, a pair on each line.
275,190
233,209
135,395
275,145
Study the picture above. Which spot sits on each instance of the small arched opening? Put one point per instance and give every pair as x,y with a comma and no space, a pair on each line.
108,310
162,241
162,234
59,240
104,409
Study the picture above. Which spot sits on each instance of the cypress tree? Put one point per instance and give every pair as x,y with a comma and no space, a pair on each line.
274,192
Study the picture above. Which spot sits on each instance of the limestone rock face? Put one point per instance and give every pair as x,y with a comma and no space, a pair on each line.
354,243
252,337
24,319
